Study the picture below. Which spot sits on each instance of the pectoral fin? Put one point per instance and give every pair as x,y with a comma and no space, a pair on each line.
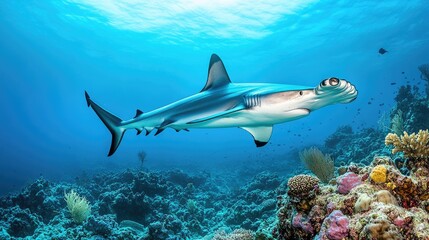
261,135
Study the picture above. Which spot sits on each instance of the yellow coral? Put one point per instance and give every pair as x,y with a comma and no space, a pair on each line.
391,186
379,174
413,146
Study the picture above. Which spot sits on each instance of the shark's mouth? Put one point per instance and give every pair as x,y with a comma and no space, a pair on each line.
337,90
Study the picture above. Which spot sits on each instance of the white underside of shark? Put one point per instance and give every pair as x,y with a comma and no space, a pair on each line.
254,107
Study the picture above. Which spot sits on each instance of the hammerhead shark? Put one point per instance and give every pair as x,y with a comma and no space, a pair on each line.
254,107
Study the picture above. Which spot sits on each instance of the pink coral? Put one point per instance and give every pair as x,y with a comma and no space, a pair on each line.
300,221
347,182
335,226
400,222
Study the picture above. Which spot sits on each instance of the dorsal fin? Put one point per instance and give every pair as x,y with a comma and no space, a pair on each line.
138,113
217,75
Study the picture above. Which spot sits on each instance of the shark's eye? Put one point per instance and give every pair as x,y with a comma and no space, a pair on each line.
300,93
334,81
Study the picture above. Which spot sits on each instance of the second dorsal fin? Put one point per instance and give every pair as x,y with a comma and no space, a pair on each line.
217,75
138,113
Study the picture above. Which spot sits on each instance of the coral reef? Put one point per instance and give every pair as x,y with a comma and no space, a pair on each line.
143,205
385,204
424,75
346,146
414,109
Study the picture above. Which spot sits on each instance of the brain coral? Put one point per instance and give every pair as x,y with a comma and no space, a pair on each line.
379,174
302,184
413,146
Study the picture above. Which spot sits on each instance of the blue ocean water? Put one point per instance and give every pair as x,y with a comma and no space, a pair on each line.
146,54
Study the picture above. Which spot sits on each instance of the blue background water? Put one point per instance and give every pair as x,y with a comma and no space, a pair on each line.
131,55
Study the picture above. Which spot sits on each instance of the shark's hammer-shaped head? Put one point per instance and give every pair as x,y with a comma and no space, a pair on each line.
334,90
329,91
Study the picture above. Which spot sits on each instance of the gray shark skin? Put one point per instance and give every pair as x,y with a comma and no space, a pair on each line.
254,107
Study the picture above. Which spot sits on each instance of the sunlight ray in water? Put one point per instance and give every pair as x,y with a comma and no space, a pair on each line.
219,19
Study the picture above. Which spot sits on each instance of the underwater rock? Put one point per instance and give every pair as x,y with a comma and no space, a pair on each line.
38,198
183,179
150,200
101,225
19,222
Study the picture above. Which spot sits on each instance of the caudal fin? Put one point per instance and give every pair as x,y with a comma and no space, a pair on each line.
112,122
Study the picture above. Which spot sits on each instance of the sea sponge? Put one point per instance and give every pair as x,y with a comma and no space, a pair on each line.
386,197
379,174
413,146
363,203
302,184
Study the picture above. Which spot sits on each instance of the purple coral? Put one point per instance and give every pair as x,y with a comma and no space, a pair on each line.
302,222
347,182
335,226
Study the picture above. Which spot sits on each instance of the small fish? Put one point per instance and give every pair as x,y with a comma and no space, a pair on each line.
369,103
382,51
381,104
403,72
392,83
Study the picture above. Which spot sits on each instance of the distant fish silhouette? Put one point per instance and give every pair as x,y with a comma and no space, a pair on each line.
382,51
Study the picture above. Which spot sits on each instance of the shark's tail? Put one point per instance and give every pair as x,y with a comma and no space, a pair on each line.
112,122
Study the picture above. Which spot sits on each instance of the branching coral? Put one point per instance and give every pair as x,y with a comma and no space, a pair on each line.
320,164
413,146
